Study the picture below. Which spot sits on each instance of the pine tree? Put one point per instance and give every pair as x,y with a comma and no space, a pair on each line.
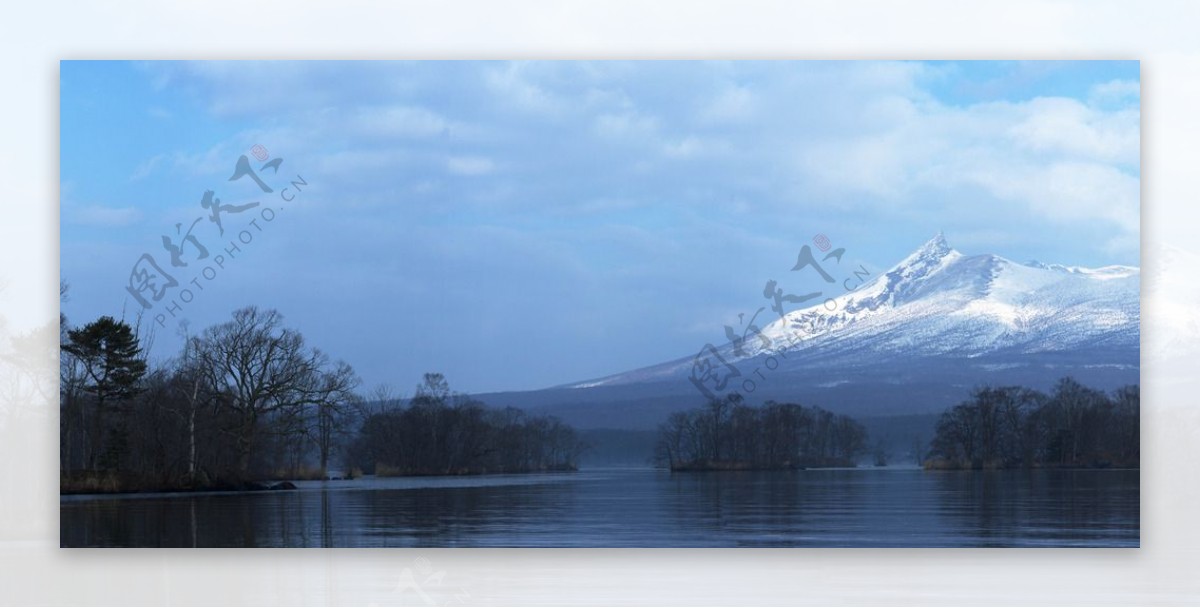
112,361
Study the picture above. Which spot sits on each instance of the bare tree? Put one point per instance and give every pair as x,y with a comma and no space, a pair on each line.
1013,426
672,439
733,434
330,395
191,385
261,368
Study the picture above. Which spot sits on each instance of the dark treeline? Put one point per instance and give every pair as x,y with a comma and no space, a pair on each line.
245,399
440,433
248,400
729,434
1015,427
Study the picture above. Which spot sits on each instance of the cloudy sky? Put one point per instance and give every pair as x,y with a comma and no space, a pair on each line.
522,225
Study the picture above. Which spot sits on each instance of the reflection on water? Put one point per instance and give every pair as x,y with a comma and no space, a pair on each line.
636,508
1089,507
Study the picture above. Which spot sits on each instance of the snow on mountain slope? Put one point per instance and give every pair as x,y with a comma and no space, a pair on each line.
938,301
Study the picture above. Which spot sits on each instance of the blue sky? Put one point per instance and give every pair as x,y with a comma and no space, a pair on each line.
522,225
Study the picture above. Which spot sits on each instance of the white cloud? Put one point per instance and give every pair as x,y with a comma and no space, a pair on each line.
627,125
1054,159
685,148
352,162
1116,91
147,167
733,104
470,165
849,136
399,121
879,165
1068,191
215,160
1068,126
512,84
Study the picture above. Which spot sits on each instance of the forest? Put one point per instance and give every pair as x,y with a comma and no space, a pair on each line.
728,434
1015,427
250,400
440,433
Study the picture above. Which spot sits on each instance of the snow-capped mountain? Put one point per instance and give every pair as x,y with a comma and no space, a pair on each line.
914,339
938,301
941,304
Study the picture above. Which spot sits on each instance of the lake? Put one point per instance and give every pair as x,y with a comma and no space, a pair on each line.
624,507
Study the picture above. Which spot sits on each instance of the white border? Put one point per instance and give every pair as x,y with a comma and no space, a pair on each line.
35,35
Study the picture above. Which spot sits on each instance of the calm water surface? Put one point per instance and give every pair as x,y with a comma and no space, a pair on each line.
867,507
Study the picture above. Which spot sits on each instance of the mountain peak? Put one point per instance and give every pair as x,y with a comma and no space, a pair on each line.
928,256
936,246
